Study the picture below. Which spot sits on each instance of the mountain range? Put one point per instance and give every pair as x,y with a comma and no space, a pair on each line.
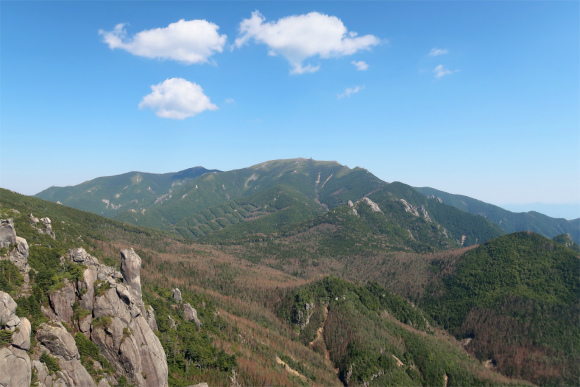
198,202
289,272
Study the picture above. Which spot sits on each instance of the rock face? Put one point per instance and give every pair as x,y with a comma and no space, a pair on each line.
131,269
127,339
115,319
8,311
22,338
15,366
117,323
177,295
60,344
7,233
62,302
190,314
18,246
58,341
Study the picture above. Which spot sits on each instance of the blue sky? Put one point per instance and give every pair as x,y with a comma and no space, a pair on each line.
473,98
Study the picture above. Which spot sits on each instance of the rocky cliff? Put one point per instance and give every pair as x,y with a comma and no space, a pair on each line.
96,329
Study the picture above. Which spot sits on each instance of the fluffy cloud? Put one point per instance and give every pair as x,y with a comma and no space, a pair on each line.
441,71
177,98
360,65
438,51
192,41
350,91
300,37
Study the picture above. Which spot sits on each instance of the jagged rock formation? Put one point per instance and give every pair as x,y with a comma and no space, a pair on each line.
110,313
15,366
177,295
190,314
17,246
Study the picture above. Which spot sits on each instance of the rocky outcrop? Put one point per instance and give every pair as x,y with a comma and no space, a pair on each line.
124,332
115,319
17,246
374,206
8,316
15,366
177,295
62,302
7,233
131,269
59,343
190,314
21,338
47,227
150,316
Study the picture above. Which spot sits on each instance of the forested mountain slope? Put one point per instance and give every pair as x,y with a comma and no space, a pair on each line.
507,220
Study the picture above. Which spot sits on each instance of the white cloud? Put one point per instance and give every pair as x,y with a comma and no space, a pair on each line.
438,51
177,98
360,65
192,41
300,37
350,91
230,100
441,71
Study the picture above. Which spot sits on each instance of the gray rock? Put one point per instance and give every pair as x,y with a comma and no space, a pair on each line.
124,294
44,377
21,339
131,269
133,352
7,308
374,206
15,367
200,385
57,339
190,314
62,301
103,383
7,233
171,322
177,295
78,255
109,304
153,360
150,316
33,219
86,288
73,374
48,313
85,324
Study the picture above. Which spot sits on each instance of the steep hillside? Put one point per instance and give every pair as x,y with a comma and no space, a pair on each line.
508,221
516,302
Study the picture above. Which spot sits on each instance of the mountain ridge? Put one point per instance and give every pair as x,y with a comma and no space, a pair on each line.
509,221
